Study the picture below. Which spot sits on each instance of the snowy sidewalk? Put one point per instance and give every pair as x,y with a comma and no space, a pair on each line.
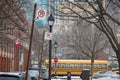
77,78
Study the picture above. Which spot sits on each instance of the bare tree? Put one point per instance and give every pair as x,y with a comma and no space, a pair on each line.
102,13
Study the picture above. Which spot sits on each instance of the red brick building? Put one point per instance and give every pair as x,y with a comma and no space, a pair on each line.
10,61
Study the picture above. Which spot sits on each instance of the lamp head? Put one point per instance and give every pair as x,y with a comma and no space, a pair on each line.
51,20
55,44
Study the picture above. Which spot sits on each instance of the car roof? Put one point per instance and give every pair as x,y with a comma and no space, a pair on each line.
16,74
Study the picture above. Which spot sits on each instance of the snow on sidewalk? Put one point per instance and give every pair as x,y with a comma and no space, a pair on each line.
106,78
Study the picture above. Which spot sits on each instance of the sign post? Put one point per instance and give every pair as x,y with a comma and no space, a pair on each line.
55,60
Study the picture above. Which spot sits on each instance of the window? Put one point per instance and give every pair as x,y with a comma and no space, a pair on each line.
95,65
63,65
58,65
72,65
81,66
76,65
88,65
103,66
84,66
68,65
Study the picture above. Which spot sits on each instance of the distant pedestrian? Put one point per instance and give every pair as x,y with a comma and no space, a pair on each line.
68,75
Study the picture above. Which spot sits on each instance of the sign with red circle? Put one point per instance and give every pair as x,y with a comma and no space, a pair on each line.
48,36
55,59
18,40
41,14
18,43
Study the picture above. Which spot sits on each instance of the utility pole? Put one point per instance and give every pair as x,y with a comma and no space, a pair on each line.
30,45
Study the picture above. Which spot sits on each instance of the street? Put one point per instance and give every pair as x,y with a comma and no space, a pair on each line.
78,78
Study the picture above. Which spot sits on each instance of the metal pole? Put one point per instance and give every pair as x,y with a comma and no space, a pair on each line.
41,53
50,54
30,45
55,51
55,62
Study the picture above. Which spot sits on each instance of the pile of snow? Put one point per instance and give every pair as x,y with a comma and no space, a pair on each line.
106,78
105,74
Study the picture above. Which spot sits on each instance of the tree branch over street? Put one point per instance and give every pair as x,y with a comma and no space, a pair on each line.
99,13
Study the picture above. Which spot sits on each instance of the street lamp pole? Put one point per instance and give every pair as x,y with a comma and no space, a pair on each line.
55,45
50,23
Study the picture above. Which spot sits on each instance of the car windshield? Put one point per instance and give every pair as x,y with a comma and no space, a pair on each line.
8,78
33,68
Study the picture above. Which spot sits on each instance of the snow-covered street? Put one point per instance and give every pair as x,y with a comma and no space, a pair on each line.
78,78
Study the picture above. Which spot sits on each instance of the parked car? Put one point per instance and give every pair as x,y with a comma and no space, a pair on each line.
44,74
34,73
13,76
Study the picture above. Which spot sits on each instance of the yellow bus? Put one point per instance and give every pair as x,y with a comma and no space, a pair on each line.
75,66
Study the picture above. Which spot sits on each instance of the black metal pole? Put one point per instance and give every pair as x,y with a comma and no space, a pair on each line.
50,54
55,62
55,51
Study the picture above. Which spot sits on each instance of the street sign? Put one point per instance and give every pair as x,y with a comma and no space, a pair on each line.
41,14
55,59
48,36
18,43
18,40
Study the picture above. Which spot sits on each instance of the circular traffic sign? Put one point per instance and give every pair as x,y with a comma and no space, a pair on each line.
41,13
55,59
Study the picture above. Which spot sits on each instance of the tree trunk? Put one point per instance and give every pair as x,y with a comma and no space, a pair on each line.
118,58
92,63
119,65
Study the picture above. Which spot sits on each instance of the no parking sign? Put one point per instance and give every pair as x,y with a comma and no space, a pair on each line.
41,14
48,36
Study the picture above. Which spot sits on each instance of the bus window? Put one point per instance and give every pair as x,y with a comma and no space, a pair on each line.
81,66
88,65
100,65
63,65
58,65
85,66
97,65
94,66
103,66
68,65
72,65
76,65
